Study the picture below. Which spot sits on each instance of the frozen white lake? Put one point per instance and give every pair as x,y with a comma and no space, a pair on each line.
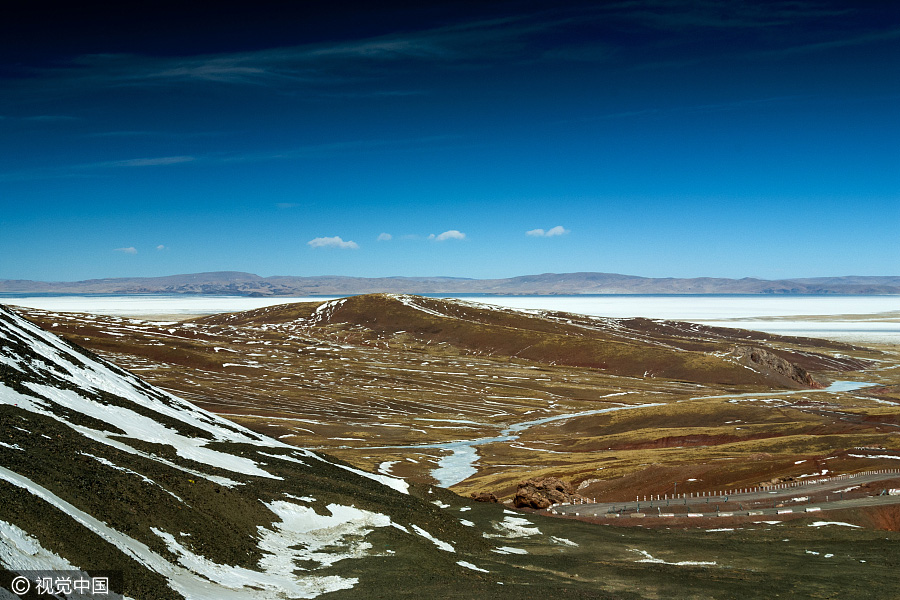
694,308
149,305
848,318
844,318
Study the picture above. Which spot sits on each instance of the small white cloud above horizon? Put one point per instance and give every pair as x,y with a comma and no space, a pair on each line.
332,242
161,248
128,250
385,237
452,234
552,232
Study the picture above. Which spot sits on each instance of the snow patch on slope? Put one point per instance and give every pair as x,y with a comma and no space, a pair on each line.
440,544
20,551
391,482
648,558
303,535
199,578
513,527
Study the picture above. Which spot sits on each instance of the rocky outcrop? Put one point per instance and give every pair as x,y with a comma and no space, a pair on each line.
484,497
767,362
543,493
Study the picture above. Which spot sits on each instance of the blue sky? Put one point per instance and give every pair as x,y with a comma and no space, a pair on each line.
660,138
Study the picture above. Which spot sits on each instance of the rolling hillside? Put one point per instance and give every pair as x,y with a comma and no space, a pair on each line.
628,347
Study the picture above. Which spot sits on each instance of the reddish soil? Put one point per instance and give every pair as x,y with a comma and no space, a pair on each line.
692,440
886,518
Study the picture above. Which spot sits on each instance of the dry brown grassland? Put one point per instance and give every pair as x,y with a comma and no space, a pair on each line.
358,383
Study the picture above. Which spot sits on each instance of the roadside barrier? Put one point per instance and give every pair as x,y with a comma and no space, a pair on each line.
764,488
724,494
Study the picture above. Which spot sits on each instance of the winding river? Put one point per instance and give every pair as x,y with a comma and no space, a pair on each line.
458,465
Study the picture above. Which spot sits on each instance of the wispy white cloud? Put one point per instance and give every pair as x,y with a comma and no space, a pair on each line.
385,237
714,14
339,148
839,42
311,69
297,153
148,133
332,242
452,234
38,119
331,64
552,232
128,250
150,162
222,70
89,169
160,248
123,133
558,230
325,69
665,111
587,52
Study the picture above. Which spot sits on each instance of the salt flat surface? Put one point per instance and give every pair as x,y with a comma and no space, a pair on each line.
689,308
162,304
844,330
743,311
692,308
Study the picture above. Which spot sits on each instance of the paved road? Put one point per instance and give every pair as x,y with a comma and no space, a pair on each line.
796,497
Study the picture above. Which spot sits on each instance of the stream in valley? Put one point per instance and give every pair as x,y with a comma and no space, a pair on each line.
458,465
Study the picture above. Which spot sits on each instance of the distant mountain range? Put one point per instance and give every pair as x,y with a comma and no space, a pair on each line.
248,284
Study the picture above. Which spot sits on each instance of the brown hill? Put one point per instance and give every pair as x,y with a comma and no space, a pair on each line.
627,347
